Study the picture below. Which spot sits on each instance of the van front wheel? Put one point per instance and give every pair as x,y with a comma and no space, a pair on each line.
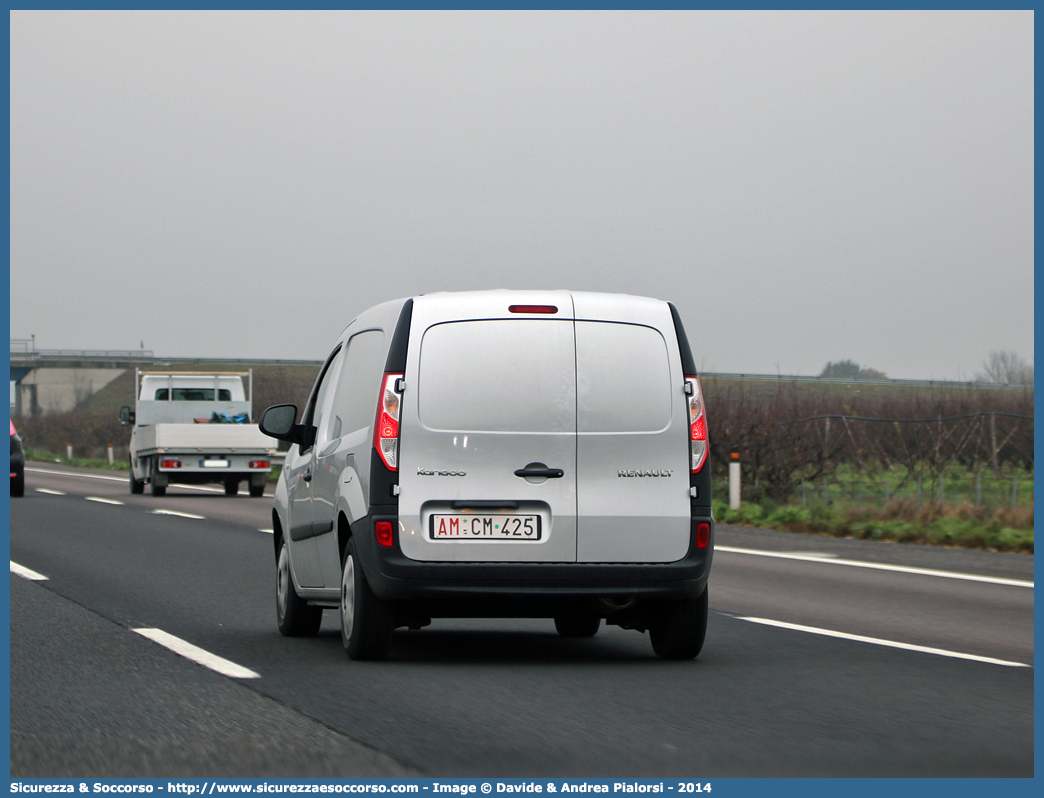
678,631
366,621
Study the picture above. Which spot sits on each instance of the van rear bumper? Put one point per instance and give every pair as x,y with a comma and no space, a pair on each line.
395,577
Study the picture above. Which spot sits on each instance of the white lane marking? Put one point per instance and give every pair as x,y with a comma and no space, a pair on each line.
26,573
994,580
50,492
116,479
103,501
198,655
889,643
267,531
178,514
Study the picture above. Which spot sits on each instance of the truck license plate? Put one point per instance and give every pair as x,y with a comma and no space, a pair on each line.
214,464
485,527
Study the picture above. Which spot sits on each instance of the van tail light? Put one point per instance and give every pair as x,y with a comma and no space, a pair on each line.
383,531
170,464
697,423
386,428
702,535
260,464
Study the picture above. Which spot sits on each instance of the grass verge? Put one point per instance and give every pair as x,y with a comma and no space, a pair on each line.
961,525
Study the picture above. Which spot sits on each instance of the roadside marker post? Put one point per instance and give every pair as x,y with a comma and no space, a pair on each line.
734,481
110,454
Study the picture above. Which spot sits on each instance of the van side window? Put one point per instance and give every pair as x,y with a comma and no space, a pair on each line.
355,400
313,414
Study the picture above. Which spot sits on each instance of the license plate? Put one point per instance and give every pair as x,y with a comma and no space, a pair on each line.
485,527
214,464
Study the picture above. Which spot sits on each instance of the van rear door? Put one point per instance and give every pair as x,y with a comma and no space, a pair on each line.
632,432
487,446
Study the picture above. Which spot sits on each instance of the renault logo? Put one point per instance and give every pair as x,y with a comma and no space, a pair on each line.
655,472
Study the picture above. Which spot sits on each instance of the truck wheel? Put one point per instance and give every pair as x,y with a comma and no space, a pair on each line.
231,487
679,630
158,490
18,485
577,625
366,621
293,614
257,491
137,486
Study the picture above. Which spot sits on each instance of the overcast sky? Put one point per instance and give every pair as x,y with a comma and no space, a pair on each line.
805,187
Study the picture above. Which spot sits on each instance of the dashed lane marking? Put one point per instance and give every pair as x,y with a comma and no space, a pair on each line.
26,573
179,514
103,501
50,492
198,655
905,569
889,643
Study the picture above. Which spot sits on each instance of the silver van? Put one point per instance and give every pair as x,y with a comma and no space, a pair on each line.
499,454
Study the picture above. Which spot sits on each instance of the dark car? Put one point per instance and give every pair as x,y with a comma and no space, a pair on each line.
17,464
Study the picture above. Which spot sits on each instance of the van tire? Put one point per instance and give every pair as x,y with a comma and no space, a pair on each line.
231,487
366,621
257,491
18,485
679,630
577,625
293,614
158,490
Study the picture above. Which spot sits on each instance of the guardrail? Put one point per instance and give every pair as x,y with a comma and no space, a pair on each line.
80,354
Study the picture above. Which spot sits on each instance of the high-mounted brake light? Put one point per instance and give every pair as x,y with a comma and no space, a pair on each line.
386,428
532,309
697,423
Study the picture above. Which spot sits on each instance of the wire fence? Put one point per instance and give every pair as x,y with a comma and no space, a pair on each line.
980,490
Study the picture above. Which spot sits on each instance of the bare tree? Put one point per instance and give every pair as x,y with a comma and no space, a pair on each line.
1006,368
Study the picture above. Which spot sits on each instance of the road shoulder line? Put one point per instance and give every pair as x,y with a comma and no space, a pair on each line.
879,642
905,569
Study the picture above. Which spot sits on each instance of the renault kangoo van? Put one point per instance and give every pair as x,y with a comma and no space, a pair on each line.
499,454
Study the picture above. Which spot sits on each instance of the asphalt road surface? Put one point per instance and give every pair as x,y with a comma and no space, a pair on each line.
824,657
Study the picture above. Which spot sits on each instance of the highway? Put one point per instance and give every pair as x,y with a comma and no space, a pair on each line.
824,657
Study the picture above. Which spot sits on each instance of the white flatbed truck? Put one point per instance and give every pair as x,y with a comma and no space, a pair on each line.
196,428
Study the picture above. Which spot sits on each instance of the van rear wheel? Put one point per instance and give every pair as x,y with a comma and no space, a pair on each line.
366,621
679,630
231,487
293,614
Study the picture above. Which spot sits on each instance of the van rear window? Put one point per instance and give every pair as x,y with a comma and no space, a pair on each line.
504,375
623,378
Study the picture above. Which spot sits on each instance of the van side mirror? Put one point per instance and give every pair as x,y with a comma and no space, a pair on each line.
278,422
126,416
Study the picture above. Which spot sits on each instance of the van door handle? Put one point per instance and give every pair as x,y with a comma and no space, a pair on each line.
307,477
550,473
